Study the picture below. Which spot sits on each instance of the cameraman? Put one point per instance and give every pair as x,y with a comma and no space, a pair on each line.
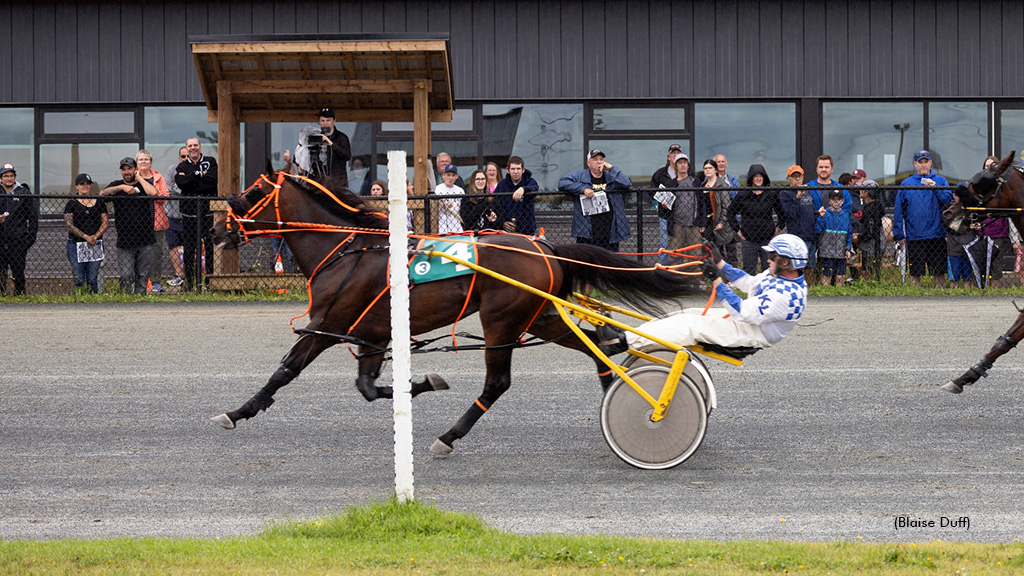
329,156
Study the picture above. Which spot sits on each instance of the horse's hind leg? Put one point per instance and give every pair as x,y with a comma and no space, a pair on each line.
304,351
498,380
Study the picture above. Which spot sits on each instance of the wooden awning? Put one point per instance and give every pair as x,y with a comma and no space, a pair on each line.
288,77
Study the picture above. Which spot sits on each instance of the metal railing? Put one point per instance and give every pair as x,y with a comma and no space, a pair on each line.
48,269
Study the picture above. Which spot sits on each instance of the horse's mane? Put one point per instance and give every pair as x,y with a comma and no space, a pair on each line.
362,218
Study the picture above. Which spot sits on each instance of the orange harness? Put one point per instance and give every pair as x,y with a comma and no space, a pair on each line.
233,221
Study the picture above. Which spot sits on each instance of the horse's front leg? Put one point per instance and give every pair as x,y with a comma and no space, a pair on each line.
370,361
304,351
498,380
1003,344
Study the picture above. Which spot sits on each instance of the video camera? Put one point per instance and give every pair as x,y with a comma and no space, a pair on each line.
314,141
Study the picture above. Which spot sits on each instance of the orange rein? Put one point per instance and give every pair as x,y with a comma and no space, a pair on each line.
284,227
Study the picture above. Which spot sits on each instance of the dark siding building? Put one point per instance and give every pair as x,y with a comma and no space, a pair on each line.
773,81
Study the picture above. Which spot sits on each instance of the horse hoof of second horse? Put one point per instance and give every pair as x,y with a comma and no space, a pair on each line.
439,447
952,387
223,421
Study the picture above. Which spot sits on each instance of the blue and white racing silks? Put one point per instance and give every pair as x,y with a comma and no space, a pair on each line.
774,303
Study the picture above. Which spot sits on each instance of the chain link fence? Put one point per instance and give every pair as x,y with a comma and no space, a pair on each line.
265,264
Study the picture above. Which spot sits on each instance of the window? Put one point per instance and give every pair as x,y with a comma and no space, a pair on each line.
639,119
639,159
757,133
548,137
89,122
1011,124
463,153
877,137
167,128
462,121
17,140
958,137
60,163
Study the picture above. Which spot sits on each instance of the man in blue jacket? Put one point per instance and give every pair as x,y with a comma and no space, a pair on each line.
823,167
917,220
599,185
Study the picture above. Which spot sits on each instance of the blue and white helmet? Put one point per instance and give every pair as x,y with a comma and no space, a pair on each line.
791,247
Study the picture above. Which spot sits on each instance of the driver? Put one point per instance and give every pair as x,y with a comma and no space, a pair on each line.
776,300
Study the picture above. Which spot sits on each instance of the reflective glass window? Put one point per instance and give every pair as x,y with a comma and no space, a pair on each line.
17,139
60,163
89,122
957,137
463,153
633,119
877,137
638,159
462,121
548,137
167,128
747,133
1012,126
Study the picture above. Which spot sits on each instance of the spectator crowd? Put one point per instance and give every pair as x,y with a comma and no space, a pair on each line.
164,218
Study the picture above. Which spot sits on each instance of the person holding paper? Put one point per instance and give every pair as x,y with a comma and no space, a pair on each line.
691,207
86,220
599,208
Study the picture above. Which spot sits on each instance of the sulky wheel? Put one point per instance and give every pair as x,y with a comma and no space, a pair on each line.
695,369
629,431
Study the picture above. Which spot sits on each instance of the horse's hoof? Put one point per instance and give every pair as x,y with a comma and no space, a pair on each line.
439,447
223,421
436,383
952,387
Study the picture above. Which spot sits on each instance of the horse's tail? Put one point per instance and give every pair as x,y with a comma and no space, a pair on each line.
620,277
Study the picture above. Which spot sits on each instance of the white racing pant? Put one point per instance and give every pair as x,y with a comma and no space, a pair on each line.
689,327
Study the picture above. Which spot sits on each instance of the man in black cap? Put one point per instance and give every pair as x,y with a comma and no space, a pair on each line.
133,219
599,209
19,222
665,177
334,152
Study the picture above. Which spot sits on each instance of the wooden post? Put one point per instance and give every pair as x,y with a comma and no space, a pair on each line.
229,159
421,148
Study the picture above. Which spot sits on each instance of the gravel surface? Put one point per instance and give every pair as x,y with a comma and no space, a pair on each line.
831,435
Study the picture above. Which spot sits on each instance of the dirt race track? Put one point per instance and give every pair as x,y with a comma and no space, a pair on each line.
838,431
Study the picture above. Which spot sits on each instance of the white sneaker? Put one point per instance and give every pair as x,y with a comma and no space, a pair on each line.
176,281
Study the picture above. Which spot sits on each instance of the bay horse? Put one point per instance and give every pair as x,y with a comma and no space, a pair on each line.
341,246
995,191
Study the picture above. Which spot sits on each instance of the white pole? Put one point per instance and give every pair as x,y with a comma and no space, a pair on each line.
400,333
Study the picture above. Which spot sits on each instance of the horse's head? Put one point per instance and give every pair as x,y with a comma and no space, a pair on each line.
986,189
243,211
281,203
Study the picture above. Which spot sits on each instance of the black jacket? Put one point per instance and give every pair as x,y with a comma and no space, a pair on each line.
22,221
196,179
756,215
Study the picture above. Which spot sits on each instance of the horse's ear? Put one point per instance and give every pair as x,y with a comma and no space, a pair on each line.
270,168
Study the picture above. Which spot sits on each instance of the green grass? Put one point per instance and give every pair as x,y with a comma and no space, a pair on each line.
390,538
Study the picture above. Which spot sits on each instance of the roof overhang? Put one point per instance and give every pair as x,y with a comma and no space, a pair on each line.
290,77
